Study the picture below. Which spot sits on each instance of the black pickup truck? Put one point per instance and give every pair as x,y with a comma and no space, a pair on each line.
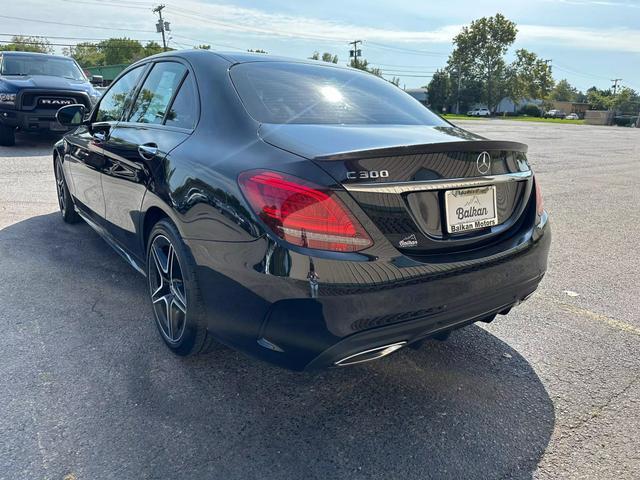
33,86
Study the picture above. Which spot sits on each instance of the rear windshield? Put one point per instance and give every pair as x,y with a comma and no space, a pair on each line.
36,65
275,92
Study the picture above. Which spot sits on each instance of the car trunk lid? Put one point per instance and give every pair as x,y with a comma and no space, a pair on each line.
404,177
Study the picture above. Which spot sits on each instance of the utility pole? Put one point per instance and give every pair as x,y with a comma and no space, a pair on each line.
162,26
615,84
355,53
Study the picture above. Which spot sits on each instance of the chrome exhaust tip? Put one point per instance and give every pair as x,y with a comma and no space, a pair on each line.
368,355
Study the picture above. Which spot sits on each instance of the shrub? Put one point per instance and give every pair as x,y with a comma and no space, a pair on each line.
531,110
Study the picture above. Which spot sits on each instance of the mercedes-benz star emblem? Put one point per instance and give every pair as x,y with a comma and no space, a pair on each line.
483,163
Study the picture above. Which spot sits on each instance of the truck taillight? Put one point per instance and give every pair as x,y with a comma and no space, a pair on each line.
303,213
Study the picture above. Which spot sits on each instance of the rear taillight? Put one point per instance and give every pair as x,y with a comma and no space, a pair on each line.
539,199
303,213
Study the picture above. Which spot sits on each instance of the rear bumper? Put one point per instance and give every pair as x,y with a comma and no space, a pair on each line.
348,306
31,120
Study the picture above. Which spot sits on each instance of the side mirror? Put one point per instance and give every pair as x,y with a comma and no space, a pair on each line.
71,115
97,80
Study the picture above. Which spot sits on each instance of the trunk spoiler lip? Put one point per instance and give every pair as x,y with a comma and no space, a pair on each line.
437,147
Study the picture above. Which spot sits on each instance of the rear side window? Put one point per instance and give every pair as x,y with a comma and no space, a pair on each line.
183,110
118,98
277,92
156,93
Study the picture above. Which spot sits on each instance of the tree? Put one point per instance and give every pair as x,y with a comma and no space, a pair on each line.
599,99
564,92
325,57
21,43
112,51
87,54
528,77
257,50
364,65
439,89
479,51
152,48
626,101
203,47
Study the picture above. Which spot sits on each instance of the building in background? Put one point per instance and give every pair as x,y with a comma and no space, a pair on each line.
506,105
107,72
578,108
420,94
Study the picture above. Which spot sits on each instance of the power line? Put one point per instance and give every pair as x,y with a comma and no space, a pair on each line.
387,65
46,37
406,50
110,47
207,42
401,75
75,24
110,4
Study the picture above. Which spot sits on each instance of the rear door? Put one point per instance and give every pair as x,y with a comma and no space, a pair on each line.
162,116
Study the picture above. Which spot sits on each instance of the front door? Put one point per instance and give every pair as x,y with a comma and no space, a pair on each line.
86,159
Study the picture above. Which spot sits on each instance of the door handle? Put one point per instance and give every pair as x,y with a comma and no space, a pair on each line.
148,150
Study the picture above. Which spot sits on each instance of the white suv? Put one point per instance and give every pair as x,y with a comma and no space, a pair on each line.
480,112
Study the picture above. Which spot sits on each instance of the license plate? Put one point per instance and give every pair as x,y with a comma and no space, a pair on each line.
470,209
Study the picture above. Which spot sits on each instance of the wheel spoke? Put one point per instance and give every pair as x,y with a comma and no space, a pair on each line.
179,302
171,255
169,320
159,295
162,269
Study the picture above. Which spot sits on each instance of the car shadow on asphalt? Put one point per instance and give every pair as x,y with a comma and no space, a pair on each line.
31,144
121,405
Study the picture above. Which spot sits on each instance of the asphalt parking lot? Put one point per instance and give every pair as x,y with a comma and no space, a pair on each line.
88,390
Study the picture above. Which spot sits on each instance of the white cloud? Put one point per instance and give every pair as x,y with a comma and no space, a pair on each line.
231,18
619,39
600,3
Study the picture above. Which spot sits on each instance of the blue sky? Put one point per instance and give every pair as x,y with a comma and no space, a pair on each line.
588,41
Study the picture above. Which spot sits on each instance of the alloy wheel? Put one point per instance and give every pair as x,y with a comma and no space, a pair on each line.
60,187
166,284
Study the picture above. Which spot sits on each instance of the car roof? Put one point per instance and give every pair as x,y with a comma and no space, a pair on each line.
241,57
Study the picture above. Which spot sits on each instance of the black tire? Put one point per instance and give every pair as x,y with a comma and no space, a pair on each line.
7,136
65,202
185,332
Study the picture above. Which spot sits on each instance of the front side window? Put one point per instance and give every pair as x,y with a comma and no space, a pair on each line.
117,99
156,93
278,92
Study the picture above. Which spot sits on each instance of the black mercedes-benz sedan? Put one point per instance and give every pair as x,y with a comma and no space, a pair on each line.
308,214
